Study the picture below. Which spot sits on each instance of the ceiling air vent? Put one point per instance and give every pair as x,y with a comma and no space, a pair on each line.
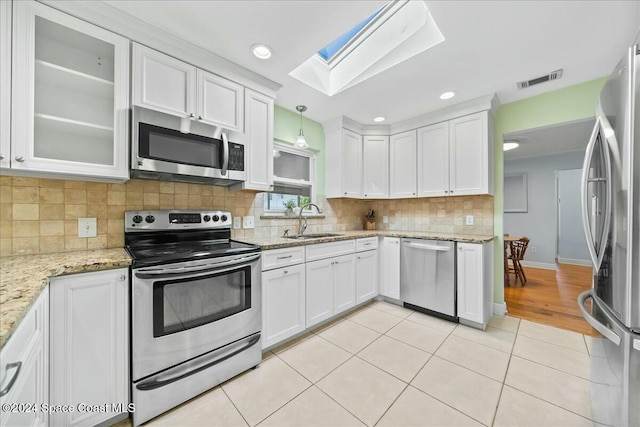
554,75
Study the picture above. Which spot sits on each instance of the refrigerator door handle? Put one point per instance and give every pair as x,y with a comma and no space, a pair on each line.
597,254
597,325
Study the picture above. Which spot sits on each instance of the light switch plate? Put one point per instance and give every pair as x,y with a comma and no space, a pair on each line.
469,220
87,227
237,222
247,222
385,219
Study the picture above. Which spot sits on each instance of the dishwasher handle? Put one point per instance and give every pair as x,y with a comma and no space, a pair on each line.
428,247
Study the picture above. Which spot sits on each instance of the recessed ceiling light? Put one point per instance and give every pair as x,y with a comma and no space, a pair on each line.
510,146
448,95
379,119
261,51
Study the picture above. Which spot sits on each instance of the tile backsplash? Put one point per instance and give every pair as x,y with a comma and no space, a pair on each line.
41,215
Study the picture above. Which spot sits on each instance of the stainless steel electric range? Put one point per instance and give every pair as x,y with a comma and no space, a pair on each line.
195,306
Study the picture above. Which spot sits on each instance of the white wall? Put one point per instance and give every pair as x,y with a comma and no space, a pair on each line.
539,223
572,244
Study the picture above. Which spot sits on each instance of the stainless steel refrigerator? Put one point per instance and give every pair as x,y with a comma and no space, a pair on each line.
611,217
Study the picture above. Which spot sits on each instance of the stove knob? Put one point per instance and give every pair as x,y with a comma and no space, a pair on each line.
224,218
150,218
206,218
137,219
216,218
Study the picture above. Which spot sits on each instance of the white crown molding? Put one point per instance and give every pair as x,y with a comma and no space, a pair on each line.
108,17
488,103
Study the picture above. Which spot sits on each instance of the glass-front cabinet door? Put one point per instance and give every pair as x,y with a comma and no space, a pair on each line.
70,95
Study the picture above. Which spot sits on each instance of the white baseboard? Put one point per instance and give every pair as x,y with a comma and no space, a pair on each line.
500,309
543,265
575,261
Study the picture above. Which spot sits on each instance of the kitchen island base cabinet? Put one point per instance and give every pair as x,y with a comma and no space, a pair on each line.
24,367
331,287
89,345
475,283
283,304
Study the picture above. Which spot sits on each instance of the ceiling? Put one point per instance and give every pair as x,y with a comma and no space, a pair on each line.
488,47
570,136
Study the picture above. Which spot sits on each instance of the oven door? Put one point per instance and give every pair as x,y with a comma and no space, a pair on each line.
183,310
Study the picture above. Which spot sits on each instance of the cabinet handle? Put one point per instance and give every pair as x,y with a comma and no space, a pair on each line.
13,379
286,271
345,193
367,244
123,277
20,159
285,257
199,117
1,157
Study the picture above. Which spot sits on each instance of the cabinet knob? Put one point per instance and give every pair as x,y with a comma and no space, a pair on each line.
365,195
123,277
286,271
459,248
20,159
199,117
345,193
451,191
1,157
446,192
192,115
359,258
413,194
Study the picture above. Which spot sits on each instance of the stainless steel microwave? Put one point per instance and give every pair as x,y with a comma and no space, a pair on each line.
171,148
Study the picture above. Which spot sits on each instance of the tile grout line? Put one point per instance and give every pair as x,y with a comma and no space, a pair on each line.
234,405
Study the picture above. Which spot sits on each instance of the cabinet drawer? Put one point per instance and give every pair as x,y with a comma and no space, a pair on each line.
333,249
282,257
366,244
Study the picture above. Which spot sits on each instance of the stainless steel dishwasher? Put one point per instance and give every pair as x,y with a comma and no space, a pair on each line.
428,276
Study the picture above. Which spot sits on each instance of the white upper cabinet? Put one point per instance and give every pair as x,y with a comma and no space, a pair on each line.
220,101
352,164
433,160
70,96
469,152
163,83
258,141
402,177
5,83
344,163
454,157
376,167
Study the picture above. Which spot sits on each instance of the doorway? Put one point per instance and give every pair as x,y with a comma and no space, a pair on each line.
571,245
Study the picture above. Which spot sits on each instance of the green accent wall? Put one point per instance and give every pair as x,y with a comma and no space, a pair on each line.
287,127
564,105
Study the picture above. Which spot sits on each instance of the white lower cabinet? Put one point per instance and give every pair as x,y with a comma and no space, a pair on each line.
24,367
330,287
390,267
283,303
475,283
366,276
89,344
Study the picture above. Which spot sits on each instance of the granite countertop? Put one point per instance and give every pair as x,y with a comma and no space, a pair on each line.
279,242
22,278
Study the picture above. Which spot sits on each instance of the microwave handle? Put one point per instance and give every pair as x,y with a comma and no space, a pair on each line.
225,153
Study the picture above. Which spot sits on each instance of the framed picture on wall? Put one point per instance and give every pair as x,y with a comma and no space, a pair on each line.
515,193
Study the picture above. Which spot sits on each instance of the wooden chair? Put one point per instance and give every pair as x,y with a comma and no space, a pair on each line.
507,281
518,249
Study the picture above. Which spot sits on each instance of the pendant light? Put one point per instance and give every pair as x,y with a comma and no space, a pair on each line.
301,142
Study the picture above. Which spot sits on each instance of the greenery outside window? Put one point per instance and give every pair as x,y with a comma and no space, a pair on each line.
293,179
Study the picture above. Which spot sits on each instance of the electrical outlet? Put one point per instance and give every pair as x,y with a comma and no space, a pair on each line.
534,249
237,222
247,222
469,220
87,227
385,219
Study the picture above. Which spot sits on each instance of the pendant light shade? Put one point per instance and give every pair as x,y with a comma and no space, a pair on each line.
301,141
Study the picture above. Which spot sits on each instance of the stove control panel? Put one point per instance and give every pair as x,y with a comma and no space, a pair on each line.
176,220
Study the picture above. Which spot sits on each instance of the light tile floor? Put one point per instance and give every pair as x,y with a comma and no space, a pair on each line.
389,366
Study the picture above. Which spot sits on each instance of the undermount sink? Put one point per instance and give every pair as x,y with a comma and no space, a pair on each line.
313,236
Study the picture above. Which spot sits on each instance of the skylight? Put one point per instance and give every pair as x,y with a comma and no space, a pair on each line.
334,47
394,33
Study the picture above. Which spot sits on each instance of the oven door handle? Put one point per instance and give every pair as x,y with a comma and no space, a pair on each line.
149,273
192,367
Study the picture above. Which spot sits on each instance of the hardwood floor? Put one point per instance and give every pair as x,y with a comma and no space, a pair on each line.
550,297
